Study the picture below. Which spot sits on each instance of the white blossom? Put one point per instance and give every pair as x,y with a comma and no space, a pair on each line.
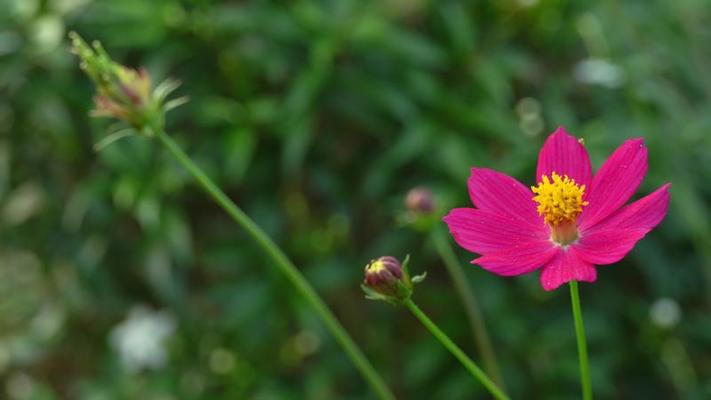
139,339
599,72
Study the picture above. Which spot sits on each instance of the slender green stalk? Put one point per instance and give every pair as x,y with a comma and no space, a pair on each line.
476,372
582,345
471,305
285,266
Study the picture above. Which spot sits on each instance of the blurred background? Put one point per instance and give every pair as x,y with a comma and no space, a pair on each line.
120,279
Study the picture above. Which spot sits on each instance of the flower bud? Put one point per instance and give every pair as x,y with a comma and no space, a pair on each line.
420,200
386,279
382,274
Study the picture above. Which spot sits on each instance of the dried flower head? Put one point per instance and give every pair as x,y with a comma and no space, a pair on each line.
124,93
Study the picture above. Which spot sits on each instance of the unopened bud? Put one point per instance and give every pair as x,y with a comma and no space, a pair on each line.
386,279
382,274
420,201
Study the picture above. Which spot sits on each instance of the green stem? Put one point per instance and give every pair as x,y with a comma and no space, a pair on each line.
582,345
476,372
471,305
285,266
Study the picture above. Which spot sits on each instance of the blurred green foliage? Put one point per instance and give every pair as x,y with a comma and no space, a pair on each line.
317,117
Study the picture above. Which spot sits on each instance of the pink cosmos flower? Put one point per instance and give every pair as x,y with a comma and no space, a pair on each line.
566,224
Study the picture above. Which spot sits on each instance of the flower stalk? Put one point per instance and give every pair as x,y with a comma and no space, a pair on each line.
285,266
470,303
423,216
470,365
582,344
126,94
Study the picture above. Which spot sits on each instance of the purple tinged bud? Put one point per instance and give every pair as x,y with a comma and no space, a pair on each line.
386,278
420,200
384,271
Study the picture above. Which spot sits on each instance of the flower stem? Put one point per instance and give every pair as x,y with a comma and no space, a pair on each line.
582,345
285,266
471,305
476,372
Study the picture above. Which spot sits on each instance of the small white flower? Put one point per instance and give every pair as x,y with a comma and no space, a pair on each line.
140,337
665,313
599,72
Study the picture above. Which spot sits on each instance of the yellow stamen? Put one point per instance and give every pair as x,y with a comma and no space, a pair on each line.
559,201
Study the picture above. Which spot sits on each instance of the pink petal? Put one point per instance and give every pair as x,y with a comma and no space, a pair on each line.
645,213
615,182
603,247
518,260
610,240
483,232
564,155
565,267
501,194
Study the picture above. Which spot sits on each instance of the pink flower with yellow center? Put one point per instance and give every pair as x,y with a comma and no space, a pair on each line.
568,223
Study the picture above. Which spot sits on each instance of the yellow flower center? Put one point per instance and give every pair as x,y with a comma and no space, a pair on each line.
560,201
375,266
